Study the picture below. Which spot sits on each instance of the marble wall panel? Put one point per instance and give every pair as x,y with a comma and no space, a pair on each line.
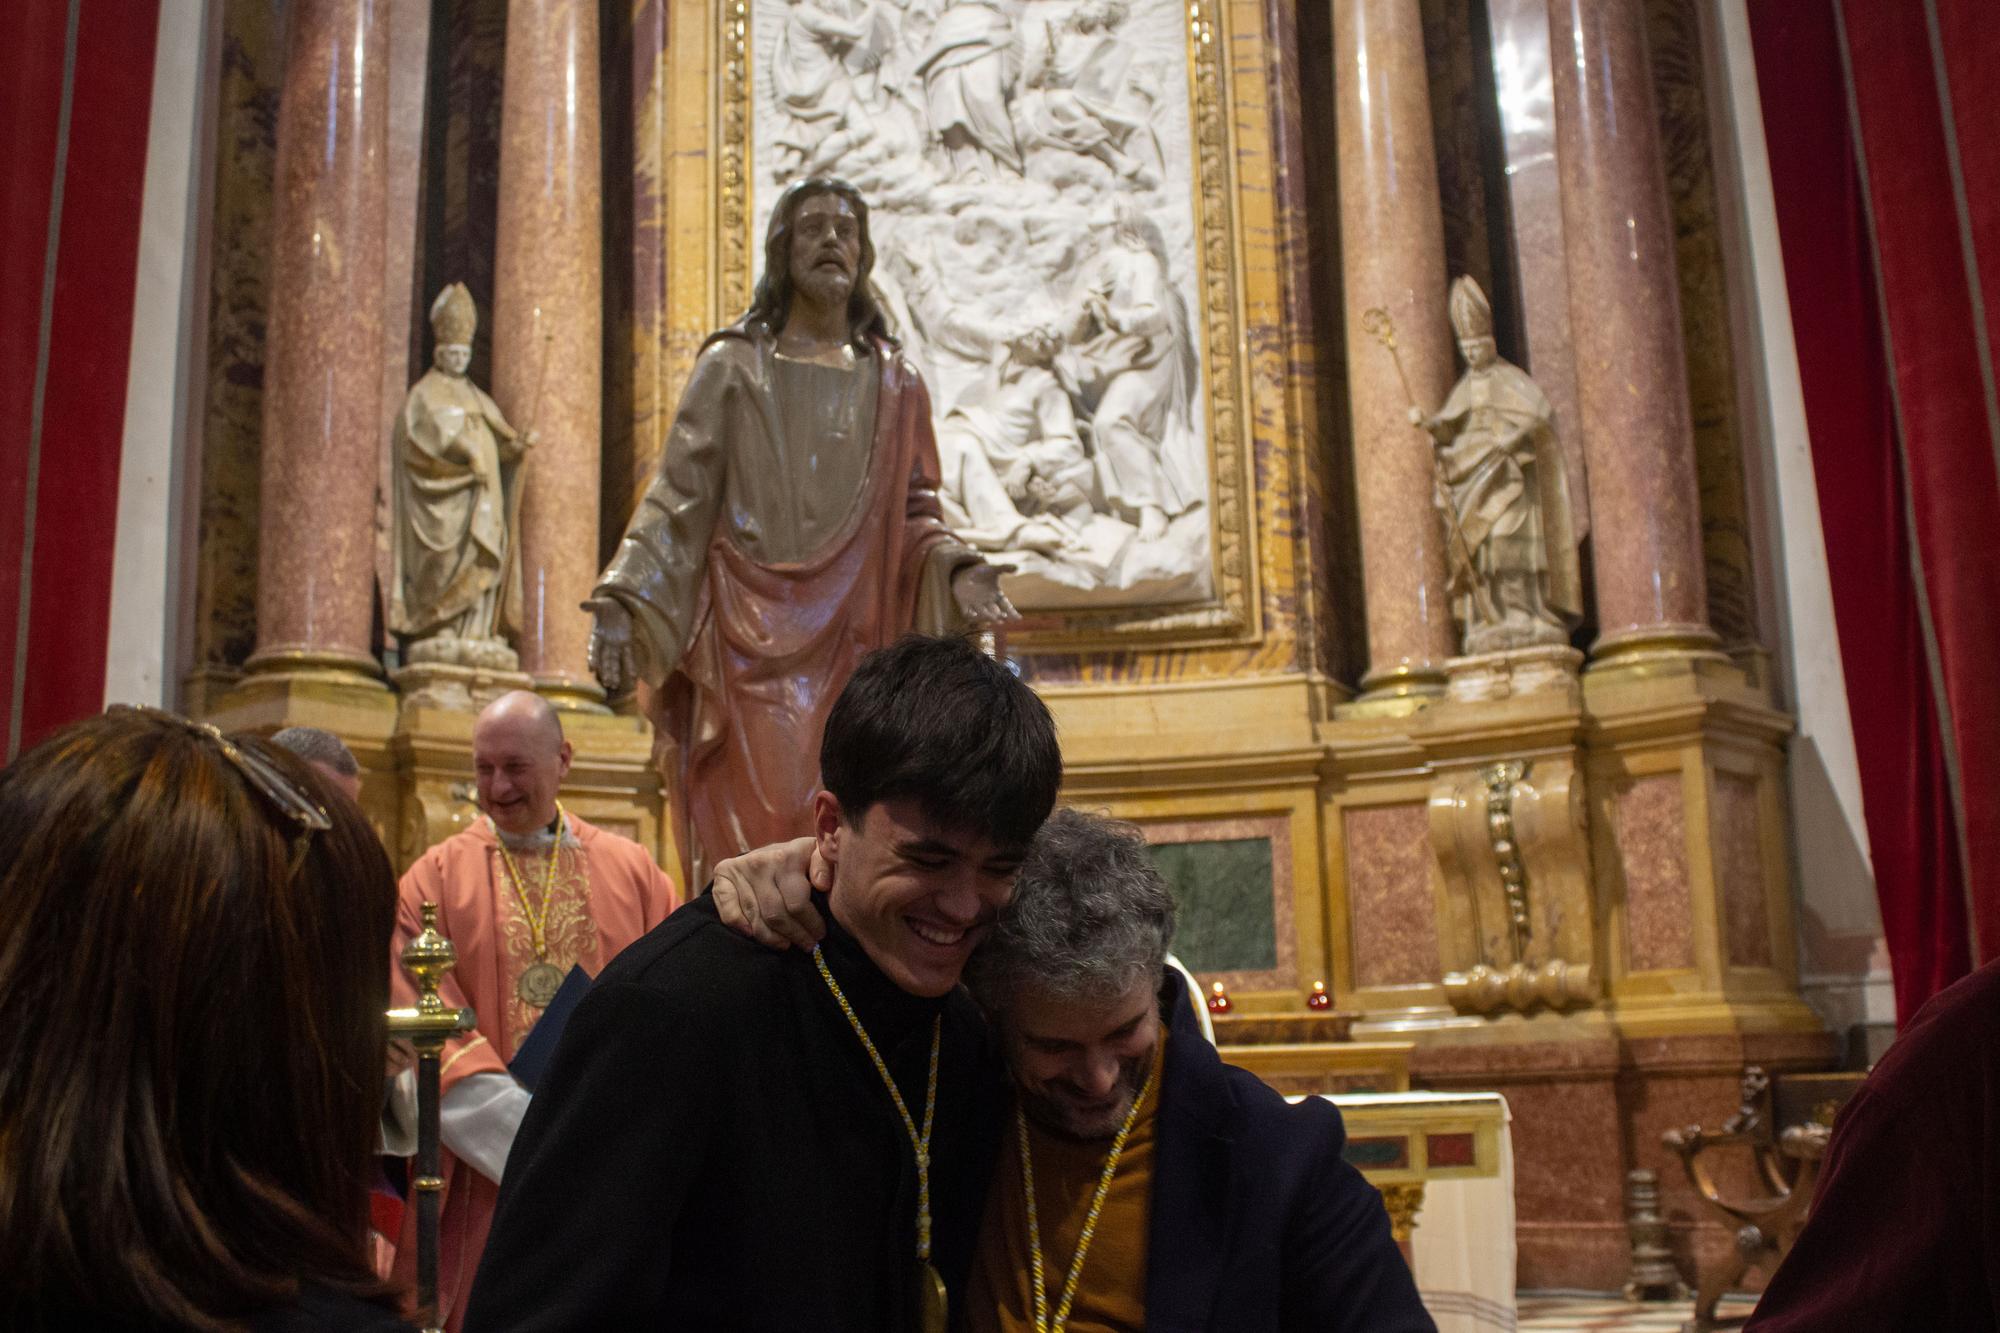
1232,882
1649,825
1390,898
1680,94
1739,871
252,63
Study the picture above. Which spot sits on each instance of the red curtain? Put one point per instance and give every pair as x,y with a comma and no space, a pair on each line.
73,127
1886,170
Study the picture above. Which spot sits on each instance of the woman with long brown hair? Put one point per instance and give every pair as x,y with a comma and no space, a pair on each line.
192,935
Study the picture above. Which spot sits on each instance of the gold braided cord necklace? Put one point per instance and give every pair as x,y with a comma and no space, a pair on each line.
931,1299
540,982
1043,1324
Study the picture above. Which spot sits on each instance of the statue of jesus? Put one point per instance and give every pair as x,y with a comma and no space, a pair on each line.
793,526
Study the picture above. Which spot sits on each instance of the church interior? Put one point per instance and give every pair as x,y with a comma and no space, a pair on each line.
1501,493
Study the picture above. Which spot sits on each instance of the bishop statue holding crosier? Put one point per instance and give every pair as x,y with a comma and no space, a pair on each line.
1503,496
456,585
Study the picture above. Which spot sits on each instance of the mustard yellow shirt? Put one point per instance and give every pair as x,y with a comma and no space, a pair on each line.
1111,1294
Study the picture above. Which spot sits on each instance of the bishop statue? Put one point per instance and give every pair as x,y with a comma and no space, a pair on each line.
457,568
1508,522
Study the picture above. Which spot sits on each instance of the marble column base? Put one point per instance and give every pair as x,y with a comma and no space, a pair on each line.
455,687
1654,643
314,664
1397,691
283,688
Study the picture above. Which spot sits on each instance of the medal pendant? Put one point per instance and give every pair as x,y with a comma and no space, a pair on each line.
933,1305
539,984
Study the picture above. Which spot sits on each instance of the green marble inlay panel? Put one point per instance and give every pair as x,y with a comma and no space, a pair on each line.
1223,890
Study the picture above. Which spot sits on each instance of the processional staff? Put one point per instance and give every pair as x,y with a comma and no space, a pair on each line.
427,1027
1376,323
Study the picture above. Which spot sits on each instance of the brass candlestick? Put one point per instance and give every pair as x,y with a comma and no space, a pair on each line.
427,957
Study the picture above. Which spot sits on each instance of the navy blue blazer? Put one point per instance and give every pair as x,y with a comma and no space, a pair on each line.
1258,1223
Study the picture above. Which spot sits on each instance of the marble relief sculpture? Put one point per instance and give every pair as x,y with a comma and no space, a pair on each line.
794,524
456,580
1031,182
1508,522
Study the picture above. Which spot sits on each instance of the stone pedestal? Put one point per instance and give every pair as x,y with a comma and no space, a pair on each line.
1644,825
455,688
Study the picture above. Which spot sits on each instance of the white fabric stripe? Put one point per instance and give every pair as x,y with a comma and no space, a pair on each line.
146,565
1835,868
51,242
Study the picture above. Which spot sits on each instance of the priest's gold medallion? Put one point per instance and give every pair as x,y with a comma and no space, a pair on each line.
539,984
933,1305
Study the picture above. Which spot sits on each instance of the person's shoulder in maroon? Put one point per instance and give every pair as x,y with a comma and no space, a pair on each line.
1905,1227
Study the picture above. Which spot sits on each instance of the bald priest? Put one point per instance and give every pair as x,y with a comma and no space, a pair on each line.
528,892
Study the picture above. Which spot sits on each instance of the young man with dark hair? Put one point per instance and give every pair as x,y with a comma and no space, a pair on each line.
1170,1191
730,1137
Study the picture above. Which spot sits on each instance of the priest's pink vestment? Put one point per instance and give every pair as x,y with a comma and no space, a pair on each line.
608,891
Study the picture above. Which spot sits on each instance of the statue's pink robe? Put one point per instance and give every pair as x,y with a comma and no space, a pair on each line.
591,918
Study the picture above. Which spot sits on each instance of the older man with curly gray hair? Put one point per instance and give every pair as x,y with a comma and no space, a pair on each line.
1141,1182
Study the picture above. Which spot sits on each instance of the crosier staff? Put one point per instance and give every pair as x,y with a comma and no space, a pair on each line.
1376,323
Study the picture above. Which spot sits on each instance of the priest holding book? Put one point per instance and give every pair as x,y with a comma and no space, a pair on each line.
529,894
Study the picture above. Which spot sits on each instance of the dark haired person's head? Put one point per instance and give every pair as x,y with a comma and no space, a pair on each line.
938,766
193,940
1071,974
840,209
325,752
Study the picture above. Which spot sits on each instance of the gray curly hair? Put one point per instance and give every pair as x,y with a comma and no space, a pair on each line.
1090,917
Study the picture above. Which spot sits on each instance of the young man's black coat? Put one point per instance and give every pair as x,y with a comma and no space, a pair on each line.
712,1148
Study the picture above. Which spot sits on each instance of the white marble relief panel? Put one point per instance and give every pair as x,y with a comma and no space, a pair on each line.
1029,167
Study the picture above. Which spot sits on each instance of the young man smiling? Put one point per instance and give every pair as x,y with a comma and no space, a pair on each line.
1171,1191
730,1137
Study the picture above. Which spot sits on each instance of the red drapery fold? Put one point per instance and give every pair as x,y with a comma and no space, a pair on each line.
1881,265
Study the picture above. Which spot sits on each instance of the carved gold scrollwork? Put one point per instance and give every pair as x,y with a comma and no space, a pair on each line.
1513,852
1403,1201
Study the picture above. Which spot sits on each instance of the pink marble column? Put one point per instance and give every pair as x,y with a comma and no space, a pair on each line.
323,367
1392,259
1625,309
548,326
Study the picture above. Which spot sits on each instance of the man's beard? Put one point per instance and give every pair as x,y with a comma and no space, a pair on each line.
1057,1114
820,286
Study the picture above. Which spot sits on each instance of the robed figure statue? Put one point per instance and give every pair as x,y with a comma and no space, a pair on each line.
457,568
793,526
1510,528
